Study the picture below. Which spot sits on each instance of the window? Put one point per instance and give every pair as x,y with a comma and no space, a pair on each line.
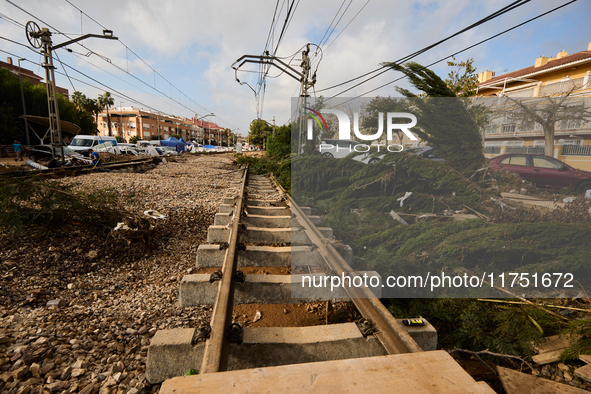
528,125
546,162
515,161
566,124
508,128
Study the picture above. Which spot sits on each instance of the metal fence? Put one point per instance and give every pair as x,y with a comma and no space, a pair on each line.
576,150
539,150
492,150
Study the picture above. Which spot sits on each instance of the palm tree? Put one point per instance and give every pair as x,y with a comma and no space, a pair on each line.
79,100
92,106
105,101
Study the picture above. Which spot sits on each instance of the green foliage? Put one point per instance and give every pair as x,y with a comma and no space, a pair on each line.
449,124
36,105
135,139
105,101
279,143
475,325
259,131
9,124
463,81
35,200
383,105
580,329
120,139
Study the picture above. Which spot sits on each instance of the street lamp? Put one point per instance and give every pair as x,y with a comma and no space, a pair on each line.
20,77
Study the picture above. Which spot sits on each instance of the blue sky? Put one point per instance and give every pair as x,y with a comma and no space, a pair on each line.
192,44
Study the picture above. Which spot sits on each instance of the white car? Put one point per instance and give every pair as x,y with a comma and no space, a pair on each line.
168,150
341,148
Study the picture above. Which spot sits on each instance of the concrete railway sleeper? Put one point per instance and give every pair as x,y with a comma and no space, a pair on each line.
258,225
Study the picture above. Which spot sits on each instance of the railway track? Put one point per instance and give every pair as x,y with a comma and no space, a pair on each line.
261,227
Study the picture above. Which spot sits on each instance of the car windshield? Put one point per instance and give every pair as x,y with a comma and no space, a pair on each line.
81,142
67,151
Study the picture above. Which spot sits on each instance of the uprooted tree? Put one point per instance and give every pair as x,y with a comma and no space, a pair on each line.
445,121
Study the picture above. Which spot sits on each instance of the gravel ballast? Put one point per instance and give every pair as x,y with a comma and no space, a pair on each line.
78,305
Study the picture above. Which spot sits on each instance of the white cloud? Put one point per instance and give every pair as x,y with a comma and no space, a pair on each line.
193,43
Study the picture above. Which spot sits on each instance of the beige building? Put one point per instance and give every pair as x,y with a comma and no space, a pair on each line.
128,122
548,76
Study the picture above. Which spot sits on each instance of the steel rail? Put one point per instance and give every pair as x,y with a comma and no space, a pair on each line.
215,354
389,332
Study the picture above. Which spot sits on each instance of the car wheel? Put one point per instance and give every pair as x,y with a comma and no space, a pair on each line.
583,186
326,154
373,161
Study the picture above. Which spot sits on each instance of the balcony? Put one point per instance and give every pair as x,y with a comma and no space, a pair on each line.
564,86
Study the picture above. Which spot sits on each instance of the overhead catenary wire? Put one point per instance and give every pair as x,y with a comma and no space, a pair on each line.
181,94
261,86
467,48
128,49
345,28
336,24
510,7
103,57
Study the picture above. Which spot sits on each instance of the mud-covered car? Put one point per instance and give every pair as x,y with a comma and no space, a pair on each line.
542,170
43,152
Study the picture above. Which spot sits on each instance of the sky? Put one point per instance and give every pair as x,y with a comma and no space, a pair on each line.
176,56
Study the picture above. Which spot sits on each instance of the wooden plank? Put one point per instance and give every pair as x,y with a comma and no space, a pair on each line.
585,358
549,357
520,383
584,372
554,342
421,372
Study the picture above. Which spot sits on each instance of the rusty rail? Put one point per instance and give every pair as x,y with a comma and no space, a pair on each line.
389,332
215,354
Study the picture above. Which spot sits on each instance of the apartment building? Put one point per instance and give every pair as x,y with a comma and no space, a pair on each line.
548,77
127,122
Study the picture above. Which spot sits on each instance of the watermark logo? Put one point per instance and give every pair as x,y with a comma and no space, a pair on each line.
345,125
318,117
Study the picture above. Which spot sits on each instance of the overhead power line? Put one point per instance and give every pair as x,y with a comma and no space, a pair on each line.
406,58
336,24
181,94
467,48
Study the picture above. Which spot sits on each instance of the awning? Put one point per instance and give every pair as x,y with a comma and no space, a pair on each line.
66,126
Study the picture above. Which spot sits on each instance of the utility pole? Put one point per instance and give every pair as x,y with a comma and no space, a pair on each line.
158,125
121,119
42,38
306,84
20,77
303,77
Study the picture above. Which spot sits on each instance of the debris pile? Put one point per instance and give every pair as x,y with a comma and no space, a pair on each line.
77,309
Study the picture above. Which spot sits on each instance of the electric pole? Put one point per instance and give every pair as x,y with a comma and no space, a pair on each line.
302,77
42,38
